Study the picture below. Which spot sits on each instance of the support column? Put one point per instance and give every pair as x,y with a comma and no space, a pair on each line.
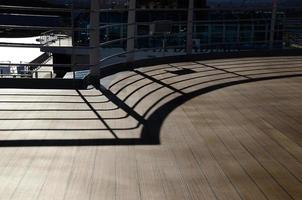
190,27
253,34
131,30
73,68
210,46
94,42
238,36
224,46
273,24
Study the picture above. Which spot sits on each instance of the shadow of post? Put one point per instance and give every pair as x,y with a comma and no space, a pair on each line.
151,131
151,126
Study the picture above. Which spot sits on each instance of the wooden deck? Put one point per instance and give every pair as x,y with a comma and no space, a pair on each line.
219,129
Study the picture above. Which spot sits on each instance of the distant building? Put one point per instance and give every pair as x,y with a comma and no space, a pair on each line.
214,29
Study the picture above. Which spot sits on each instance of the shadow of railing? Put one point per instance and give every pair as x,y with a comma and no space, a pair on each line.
149,95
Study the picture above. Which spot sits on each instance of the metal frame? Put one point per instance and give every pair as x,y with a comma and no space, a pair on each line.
96,62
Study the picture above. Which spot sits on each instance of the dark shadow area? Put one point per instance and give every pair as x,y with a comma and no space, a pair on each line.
247,55
69,142
56,119
224,70
56,110
270,60
159,82
151,120
151,130
97,114
182,72
121,104
40,95
54,102
263,67
43,83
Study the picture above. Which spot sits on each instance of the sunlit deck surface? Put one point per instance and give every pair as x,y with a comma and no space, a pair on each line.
220,129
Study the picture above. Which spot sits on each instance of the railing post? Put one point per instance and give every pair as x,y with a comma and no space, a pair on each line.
273,24
190,27
94,43
253,33
209,47
131,30
73,43
238,36
224,46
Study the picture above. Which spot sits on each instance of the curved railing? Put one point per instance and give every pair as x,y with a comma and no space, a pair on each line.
234,35
211,30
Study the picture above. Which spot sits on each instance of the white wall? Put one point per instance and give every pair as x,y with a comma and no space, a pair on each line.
17,55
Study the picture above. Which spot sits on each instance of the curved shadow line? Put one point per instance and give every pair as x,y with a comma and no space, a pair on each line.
151,130
37,95
150,134
167,78
65,129
56,110
136,81
176,82
167,95
187,87
259,65
257,74
60,119
237,62
133,75
150,83
152,70
127,85
54,102
268,68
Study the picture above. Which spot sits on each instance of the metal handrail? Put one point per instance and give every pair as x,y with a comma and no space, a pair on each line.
180,46
208,44
64,10
44,65
44,9
15,75
66,28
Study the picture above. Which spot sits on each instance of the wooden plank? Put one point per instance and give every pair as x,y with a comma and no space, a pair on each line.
240,142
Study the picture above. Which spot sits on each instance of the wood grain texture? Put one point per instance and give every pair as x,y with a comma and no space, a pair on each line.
224,134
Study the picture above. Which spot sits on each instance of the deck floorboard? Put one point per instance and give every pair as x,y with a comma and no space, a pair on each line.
227,129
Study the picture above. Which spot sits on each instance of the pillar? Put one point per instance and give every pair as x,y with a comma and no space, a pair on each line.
131,30
94,43
273,24
190,27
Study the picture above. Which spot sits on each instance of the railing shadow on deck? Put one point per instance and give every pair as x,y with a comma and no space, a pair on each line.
151,121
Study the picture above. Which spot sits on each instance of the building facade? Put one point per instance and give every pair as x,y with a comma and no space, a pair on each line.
138,29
